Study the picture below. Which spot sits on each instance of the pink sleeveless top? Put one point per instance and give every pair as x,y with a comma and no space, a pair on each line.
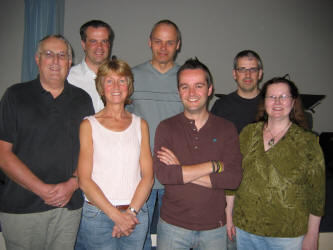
116,167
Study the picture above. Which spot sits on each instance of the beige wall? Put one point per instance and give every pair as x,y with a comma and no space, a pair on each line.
292,37
11,39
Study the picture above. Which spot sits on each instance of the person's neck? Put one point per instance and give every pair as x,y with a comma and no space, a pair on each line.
55,88
276,125
162,67
113,111
92,66
248,95
200,119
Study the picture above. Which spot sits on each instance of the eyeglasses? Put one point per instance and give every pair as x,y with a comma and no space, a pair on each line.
48,54
245,70
281,98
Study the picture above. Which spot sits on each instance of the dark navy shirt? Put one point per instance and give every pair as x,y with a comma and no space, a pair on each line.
238,110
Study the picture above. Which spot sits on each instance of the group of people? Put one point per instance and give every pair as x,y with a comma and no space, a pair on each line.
80,147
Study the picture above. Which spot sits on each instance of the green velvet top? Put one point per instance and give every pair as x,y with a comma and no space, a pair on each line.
282,186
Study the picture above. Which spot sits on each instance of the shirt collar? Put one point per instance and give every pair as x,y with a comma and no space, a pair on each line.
86,69
40,88
191,123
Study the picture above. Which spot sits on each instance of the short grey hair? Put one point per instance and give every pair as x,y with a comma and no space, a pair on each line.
60,37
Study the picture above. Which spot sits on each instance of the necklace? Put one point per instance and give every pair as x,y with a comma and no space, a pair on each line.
271,142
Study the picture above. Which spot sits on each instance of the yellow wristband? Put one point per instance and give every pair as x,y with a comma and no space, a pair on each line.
221,166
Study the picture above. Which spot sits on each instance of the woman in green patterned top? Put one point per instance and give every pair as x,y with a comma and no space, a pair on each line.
280,201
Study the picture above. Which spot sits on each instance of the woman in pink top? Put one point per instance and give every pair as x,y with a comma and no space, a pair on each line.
115,167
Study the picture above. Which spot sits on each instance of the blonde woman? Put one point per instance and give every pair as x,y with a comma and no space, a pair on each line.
115,167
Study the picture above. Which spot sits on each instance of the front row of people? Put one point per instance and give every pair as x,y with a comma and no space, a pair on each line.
274,198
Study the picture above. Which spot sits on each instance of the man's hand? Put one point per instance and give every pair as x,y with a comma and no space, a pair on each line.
61,193
166,156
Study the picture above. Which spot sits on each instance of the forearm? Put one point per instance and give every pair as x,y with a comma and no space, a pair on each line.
203,181
142,193
17,171
313,225
310,241
194,172
230,205
96,196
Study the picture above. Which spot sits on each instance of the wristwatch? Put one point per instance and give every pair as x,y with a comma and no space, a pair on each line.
133,210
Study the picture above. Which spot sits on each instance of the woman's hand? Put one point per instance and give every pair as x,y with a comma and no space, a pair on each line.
166,156
231,231
125,224
310,242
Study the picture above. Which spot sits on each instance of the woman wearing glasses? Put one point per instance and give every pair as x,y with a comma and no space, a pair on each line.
280,201
115,167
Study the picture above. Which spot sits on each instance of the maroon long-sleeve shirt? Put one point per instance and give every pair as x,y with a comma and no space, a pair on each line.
192,206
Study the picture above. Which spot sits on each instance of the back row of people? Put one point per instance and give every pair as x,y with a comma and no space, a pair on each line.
196,154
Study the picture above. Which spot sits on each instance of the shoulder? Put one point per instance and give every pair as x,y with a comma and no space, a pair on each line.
22,88
144,124
252,128
224,99
221,122
171,123
140,67
76,91
303,136
78,68
86,123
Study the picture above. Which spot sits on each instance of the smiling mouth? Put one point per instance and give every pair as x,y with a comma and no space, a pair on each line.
54,68
99,53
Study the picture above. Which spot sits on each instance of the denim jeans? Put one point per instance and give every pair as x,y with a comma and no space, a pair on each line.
155,194
248,241
172,237
96,227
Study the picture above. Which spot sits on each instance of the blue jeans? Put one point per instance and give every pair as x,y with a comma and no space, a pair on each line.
155,194
96,227
172,237
248,241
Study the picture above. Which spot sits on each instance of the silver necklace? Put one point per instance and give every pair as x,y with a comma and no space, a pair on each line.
271,142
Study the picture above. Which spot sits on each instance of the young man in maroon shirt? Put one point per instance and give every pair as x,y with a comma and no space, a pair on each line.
196,157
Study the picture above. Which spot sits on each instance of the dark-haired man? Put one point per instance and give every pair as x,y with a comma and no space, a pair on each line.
40,204
240,106
96,40
155,94
196,157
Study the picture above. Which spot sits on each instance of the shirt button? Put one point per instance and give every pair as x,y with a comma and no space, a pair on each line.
195,147
196,138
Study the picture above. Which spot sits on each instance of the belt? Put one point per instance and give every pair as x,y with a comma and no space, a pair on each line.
120,207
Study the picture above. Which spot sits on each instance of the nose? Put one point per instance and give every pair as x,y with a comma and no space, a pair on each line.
277,99
192,91
56,58
247,73
99,44
163,45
